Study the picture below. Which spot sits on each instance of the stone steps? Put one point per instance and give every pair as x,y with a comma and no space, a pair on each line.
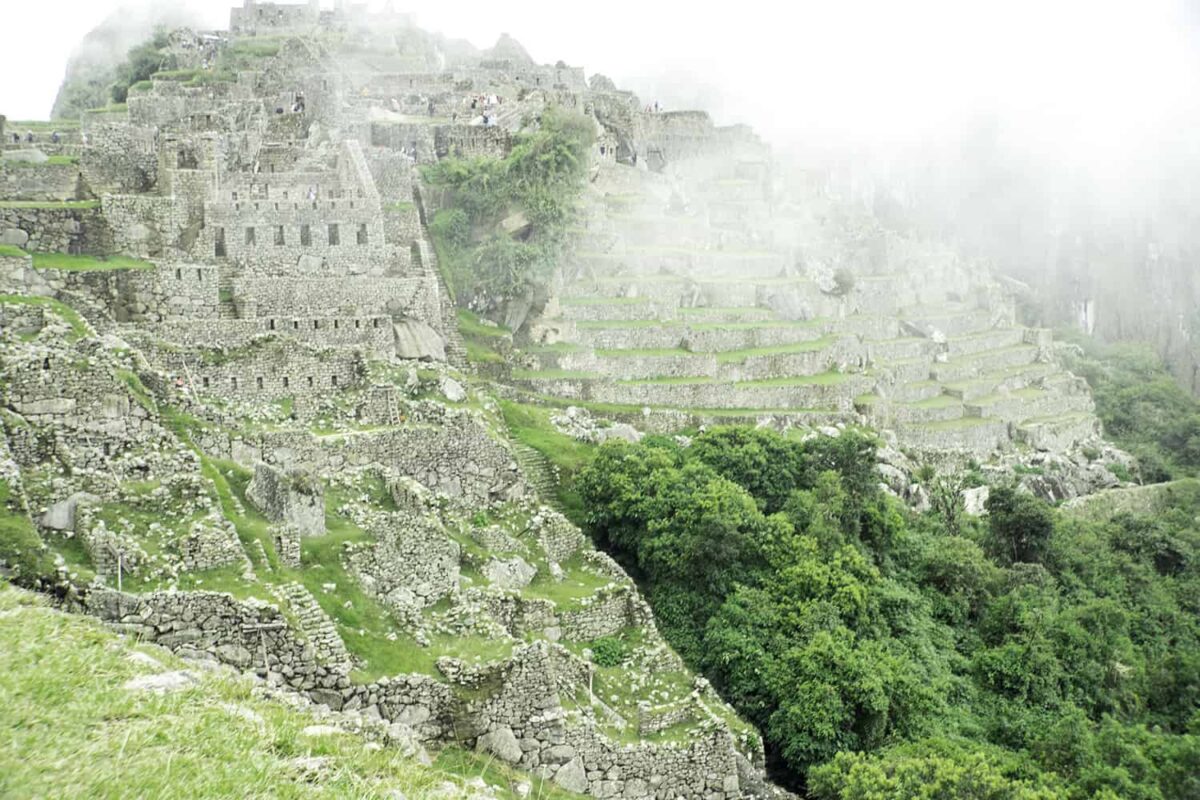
1059,433
538,472
1008,380
313,622
983,362
995,339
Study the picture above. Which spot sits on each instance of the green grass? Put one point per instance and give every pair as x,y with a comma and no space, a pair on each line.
72,730
175,75
20,544
651,352
603,301
481,354
751,326
956,424
71,263
51,161
621,324
400,206
730,311
530,425
11,251
79,328
673,380
50,205
940,401
812,346
557,347
115,108
831,378
552,375
469,324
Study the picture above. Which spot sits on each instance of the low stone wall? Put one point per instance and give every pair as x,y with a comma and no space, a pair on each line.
271,370
21,180
59,229
458,458
412,564
373,334
179,291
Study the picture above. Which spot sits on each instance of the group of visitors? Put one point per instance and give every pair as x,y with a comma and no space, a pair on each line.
654,108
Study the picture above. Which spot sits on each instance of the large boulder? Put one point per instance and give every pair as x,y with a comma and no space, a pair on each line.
572,777
293,497
513,573
415,339
61,515
501,743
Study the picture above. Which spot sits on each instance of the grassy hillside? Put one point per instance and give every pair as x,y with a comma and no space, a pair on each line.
72,729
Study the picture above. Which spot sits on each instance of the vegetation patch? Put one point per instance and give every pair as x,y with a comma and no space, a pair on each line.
73,263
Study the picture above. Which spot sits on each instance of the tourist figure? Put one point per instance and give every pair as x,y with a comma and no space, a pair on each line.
54,137
29,137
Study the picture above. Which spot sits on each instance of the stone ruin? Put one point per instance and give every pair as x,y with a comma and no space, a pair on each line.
250,373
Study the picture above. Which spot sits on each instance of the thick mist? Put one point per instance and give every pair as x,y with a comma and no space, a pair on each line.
1052,141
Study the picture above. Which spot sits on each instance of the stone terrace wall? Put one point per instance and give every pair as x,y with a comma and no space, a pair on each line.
327,296
60,229
272,371
26,181
458,457
369,333
181,292
119,158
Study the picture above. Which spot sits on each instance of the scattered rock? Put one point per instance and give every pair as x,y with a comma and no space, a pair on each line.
163,682
501,743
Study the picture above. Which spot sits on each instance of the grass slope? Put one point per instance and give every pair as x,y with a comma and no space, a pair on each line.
72,730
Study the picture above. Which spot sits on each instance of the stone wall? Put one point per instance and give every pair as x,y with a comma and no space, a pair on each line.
373,334
271,370
457,457
60,229
119,158
20,180
413,562
178,291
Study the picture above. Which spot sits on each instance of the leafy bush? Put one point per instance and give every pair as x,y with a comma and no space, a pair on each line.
885,655
608,651
541,179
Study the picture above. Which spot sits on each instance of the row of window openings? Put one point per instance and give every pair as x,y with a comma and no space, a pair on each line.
316,323
258,382
334,237
295,206
331,194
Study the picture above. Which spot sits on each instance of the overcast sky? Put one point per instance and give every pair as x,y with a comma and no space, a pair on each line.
1089,79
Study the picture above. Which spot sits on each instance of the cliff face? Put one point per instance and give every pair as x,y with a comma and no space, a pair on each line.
92,67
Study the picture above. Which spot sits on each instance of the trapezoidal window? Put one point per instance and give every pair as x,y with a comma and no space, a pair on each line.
250,236
305,236
279,235
334,238
219,242
258,383
362,233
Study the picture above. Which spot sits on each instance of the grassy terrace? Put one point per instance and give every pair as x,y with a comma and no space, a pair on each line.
68,263
831,378
670,381
51,161
73,730
620,324
956,424
751,326
1028,393
603,301
651,352
813,346
983,355
730,311
469,324
553,375
11,251
941,401
78,328
50,204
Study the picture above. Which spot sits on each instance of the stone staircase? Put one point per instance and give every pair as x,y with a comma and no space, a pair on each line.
313,622
538,472
225,306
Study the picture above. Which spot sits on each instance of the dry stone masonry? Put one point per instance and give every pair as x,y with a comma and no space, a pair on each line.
251,378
